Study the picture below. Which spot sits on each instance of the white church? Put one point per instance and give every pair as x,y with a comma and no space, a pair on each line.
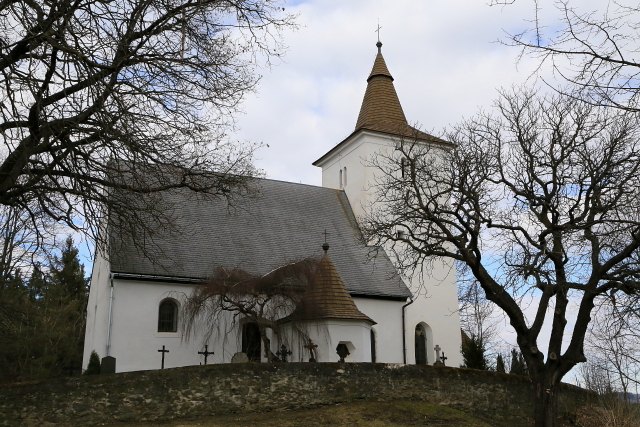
362,304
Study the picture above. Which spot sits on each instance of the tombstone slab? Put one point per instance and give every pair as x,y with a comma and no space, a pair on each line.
240,358
108,365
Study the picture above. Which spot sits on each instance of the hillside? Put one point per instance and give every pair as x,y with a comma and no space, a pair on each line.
400,413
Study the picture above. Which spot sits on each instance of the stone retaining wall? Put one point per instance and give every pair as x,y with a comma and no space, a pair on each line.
218,389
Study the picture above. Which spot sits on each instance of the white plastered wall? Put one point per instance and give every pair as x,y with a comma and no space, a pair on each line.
95,337
435,294
327,334
135,339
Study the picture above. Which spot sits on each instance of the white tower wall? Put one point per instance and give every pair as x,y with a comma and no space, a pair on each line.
435,301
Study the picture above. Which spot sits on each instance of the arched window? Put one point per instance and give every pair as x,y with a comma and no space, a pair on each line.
373,346
344,176
340,178
421,345
168,316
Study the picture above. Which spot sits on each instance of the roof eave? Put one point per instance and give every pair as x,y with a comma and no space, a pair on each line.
363,129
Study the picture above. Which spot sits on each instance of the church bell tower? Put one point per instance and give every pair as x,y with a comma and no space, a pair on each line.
431,318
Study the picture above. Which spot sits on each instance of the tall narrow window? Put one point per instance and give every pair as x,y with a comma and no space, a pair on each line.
421,345
168,316
340,178
344,176
373,346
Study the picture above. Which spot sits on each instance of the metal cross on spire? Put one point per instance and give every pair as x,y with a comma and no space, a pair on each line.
325,245
379,44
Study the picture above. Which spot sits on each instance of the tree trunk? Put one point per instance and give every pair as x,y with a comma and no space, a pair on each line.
266,342
546,403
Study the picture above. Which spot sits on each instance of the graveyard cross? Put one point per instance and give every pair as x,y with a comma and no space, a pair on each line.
312,347
206,353
163,351
443,358
283,353
438,361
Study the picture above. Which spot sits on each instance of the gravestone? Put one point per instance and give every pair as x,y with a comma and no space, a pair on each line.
438,361
108,365
240,358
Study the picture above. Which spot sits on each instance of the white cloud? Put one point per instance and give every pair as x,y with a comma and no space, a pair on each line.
443,54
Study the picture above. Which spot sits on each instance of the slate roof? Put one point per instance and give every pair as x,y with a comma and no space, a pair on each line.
327,297
283,222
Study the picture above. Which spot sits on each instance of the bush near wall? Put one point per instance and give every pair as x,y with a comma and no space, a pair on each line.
230,388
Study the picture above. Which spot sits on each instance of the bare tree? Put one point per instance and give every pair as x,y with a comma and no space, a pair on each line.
126,95
540,200
613,344
476,312
231,295
595,51
25,240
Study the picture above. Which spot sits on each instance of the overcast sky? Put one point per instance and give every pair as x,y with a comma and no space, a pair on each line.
443,54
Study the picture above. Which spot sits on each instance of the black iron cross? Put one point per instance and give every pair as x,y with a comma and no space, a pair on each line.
206,353
325,235
283,353
312,347
443,358
378,29
163,351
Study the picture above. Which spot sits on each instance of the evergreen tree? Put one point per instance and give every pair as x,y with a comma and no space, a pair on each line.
500,364
36,286
474,353
518,364
42,320
67,275
93,368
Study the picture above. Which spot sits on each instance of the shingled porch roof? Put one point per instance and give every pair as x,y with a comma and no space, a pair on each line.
326,297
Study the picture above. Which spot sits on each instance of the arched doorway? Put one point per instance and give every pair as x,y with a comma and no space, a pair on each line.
421,345
251,341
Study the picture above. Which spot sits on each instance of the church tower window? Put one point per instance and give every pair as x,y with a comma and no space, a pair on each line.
168,316
344,176
340,178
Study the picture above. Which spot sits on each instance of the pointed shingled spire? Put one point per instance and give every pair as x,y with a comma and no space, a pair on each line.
380,103
381,110
327,297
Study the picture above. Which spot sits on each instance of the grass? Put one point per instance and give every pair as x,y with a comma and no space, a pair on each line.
356,414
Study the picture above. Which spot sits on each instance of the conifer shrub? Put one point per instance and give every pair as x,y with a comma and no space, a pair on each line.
93,368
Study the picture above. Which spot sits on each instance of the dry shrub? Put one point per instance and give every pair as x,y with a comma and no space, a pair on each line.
610,412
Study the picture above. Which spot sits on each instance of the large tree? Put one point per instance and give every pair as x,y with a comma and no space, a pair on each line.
42,318
592,52
133,95
541,200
